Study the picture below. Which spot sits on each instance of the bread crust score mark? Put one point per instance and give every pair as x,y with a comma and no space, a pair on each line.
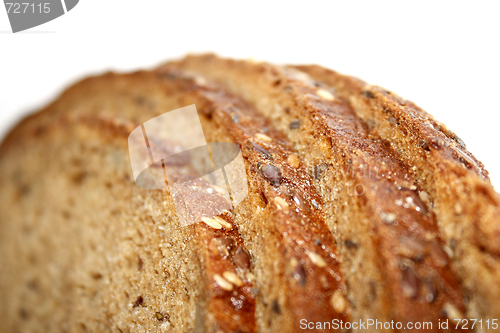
308,277
227,289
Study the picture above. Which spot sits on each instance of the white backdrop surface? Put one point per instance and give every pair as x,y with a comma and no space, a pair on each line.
443,55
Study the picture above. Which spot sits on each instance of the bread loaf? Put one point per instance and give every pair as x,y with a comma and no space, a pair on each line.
360,206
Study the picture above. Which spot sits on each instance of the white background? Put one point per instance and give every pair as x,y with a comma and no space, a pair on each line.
442,55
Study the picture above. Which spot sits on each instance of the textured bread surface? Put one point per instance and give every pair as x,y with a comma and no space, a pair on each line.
456,183
360,206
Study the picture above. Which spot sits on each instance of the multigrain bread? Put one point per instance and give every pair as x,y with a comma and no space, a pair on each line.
357,209
339,119
160,296
104,255
450,177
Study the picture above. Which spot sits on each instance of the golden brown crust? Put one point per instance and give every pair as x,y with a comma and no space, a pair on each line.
426,131
409,253
308,150
227,289
292,207
465,203
219,299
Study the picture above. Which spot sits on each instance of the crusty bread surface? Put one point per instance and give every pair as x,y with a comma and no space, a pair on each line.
360,206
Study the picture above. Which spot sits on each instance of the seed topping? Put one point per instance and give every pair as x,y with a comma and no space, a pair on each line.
293,160
338,301
281,204
452,312
233,278
250,277
261,150
241,259
223,283
272,174
223,222
211,222
294,124
200,81
325,94
263,137
388,217
316,259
